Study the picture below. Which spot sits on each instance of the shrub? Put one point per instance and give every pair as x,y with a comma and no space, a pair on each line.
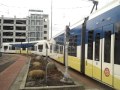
36,65
38,57
36,74
51,67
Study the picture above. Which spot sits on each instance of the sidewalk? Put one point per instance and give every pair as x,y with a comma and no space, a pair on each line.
9,75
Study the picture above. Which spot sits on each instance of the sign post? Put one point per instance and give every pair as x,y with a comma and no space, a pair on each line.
66,77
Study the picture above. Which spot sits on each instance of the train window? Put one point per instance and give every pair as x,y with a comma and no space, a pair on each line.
51,48
72,49
40,48
117,48
56,48
32,48
5,47
90,45
61,49
107,46
11,48
17,48
97,46
23,48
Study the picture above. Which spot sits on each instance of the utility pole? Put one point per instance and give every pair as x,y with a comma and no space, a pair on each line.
83,45
83,35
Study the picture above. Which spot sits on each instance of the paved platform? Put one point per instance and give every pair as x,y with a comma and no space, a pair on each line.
9,75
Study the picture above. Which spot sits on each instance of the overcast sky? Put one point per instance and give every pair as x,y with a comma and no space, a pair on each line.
64,11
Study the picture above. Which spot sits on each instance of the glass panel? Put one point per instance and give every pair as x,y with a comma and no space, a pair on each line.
107,46
72,49
40,48
90,45
61,49
51,48
97,46
117,48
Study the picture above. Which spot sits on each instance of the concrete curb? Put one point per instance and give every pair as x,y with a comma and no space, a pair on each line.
65,87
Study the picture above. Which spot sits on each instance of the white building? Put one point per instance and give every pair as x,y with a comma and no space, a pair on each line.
34,27
13,29
38,27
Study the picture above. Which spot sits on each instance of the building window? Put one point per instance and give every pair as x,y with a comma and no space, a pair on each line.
19,40
20,27
41,22
45,38
32,28
7,33
20,21
7,40
32,34
20,34
45,20
8,21
107,46
8,27
33,22
32,39
38,28
90,45
45,26
37,22
97,46
45,32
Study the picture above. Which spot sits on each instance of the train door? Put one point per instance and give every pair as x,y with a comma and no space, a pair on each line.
107,54
117,57
97,48
89,54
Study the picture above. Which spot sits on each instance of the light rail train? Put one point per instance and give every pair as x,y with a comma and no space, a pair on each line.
102,46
